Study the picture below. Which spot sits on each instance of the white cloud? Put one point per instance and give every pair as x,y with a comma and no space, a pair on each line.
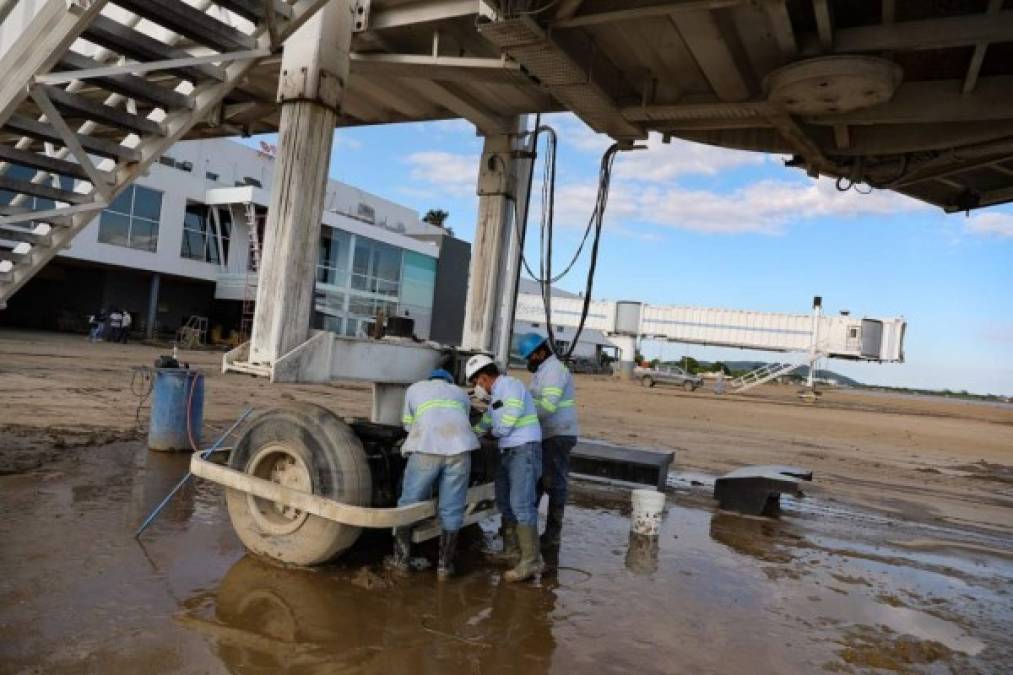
993,224
765,207
447,172
345,142
662,162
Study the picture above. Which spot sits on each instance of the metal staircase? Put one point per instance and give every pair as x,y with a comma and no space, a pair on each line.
761,375
93,92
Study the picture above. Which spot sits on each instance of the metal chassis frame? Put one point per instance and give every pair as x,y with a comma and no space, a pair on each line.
421,515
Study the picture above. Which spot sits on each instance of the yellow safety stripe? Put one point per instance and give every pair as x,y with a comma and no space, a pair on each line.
439,403
483,424
552,390
527,421
547,404
524,421
513,403
407,419
569,403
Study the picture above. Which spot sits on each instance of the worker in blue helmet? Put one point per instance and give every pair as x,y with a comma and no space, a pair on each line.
551,388
439,444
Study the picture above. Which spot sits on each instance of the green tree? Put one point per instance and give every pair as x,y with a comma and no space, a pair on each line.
436,217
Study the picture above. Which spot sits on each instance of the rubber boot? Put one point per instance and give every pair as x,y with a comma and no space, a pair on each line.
531,559
511,552
448,545
553,527
398,561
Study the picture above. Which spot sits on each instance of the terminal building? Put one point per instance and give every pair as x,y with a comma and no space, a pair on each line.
184,240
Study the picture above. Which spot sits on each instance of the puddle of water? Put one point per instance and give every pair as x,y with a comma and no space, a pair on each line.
713,593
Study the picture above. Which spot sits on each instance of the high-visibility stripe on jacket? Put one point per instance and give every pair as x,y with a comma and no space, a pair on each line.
435,415
552,390
511,415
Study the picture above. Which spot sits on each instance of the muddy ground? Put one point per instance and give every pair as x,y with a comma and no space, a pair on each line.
900,557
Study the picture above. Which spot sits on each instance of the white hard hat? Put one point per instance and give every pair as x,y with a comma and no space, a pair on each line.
475,364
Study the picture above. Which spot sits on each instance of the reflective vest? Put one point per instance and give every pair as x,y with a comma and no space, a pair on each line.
511,415
552,390
435,415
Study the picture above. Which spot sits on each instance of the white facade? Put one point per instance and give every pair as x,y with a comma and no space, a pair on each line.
223,183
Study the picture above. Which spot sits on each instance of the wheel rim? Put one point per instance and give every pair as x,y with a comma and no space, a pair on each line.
277,463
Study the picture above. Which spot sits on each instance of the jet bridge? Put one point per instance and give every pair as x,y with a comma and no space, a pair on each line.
814,335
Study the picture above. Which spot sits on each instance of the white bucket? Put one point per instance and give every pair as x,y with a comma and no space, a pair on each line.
648,507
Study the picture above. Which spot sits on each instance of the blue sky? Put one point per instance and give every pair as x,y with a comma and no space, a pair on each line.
695,225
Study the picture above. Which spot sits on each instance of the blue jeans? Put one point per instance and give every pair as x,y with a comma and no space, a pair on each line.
555,469
516,481
452,472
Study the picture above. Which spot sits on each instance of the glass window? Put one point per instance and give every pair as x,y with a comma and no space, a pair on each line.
147,203
114,228
332,265
201,238
376,267
132,219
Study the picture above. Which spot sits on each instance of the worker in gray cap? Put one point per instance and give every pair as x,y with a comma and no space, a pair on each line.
551,388
439,444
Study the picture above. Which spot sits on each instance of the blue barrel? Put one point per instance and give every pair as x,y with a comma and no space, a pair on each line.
173,388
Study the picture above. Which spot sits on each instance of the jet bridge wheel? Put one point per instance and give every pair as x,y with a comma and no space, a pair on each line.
305,447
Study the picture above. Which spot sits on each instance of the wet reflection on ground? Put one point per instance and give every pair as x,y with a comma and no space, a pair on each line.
824,587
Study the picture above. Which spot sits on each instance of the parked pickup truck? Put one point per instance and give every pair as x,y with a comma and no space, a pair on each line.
673,375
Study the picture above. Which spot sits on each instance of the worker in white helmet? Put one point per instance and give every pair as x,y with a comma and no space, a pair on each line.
552,390
439,444
511,418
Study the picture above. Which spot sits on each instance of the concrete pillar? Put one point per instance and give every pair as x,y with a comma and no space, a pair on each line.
314,70
494,254
149,327
627,354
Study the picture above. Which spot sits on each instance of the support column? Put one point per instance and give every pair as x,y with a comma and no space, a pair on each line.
314,70
627,355
495,255
814,341
149,327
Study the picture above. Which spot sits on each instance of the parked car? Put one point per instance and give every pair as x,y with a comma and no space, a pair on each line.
672,375
581,364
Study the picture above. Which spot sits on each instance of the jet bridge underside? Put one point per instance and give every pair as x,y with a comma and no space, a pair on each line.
844,336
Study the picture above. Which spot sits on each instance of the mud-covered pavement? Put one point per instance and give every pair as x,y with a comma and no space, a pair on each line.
827,587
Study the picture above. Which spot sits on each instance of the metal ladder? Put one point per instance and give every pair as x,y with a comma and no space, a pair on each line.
252,271
93,92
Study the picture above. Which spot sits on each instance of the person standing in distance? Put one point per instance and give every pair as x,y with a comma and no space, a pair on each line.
512,420
553,393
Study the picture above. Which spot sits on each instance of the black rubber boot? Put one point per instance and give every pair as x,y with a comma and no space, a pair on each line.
398,560
553,527
511,552
448,545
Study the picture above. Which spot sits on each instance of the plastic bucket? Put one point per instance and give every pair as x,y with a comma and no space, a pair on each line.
178,394
648,507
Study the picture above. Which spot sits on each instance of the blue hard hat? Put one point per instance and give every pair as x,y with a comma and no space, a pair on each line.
528,343
441,374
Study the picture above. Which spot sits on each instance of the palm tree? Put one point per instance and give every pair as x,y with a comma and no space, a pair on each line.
436,217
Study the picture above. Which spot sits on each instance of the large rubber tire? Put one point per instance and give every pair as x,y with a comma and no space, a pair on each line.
306,447
688,386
